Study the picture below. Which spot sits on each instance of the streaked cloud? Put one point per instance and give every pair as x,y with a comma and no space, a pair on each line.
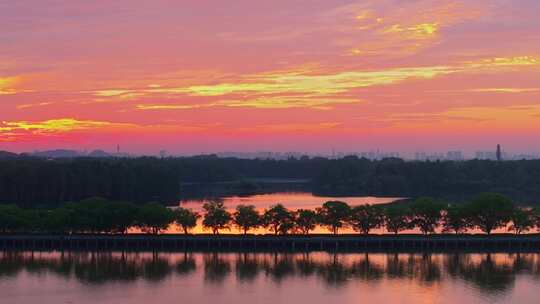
172,106
6,85
516,61
393,32
33,105
305,89
111,92
505,90
53,125
417,31
322,84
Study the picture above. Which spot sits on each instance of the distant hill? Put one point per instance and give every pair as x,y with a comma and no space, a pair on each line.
99,153
60,153
65,153
8,155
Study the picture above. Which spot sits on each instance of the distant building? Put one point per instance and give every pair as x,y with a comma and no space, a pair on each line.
423,156
377,155
486,155
454,156
420,156
498,153
524,156
492,155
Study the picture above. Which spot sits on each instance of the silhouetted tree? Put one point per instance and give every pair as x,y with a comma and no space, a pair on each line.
154,217
186,218
364,218
426,214
334,215
522,220
275,217
535,215
246,217
305,220
120,216
216,217
287,227
490,211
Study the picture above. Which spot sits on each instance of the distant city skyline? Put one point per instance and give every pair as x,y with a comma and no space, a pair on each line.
373,154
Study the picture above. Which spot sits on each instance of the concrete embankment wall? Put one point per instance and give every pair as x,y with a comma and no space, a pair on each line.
270,243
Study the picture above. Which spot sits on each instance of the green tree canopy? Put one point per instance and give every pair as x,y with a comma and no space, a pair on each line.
334,215
397,218
154,217
89,215
117,217
216,217
490,211
364,218
246,217
456,218
12,218
58,220
426,214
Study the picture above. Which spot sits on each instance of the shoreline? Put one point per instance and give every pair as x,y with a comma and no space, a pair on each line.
345,243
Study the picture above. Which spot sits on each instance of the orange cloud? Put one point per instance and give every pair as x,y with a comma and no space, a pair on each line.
411,28
306,88
6,85
54,125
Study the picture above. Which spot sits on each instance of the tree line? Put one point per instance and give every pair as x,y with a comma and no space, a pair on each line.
487,212
34,182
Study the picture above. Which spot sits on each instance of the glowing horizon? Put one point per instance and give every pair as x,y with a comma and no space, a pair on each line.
200,77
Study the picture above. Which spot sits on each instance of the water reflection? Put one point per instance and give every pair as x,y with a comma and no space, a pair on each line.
488,273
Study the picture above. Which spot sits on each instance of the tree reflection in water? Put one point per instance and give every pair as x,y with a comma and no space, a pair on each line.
216,268
488,272
247,267
186,265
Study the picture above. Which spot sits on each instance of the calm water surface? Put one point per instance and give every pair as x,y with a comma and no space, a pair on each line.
54,277
292,200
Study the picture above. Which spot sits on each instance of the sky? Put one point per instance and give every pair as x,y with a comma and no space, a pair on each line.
282,75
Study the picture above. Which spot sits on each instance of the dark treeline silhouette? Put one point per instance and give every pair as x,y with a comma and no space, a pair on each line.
488,272
30,182
487,213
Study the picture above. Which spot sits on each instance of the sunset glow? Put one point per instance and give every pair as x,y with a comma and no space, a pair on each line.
310,76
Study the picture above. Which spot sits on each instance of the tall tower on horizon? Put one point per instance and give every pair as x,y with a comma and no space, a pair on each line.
499,153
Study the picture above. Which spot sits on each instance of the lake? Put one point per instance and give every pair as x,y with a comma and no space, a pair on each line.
291,200
317,277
